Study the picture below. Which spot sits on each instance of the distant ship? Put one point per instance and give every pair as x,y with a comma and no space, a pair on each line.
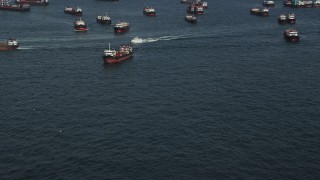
282,19
291,18
121,27
80,26
191,18
291,35
5,5
112,56
33,2
9,45
149,11
260,12
73,11
268,3
195,8
103,19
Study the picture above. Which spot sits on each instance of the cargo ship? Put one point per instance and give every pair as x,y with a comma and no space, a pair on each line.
33,2
80,26
112,56
191,19
291,35
149,11
121,27
73,11
260,12
9,45
5,5
104,19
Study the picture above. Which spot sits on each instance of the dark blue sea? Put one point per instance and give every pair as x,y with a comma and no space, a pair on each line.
226,98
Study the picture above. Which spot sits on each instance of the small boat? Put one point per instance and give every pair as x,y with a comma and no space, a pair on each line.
191,18
112,56
103,19
291,18
121,27
149,11
291,35
80,26
9,45
260,12
33,2
268,3
137,40
5,5
73,11
282,19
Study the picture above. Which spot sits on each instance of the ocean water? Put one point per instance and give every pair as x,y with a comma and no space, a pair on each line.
227,98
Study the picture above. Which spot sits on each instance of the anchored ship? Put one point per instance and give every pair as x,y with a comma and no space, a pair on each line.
112,56
121,27
291,35
149,11
73,11
191,18
104,19
80,26
260,12
5,5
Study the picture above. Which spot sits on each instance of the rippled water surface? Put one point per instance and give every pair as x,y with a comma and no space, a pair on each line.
226,98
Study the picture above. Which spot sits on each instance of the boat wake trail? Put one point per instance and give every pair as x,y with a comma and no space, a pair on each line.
162,38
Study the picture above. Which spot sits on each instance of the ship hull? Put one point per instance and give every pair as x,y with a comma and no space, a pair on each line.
149,14
73,13
121,30
117,59
259,13
13,8
292,38
4,47
103,21
81,29
33,3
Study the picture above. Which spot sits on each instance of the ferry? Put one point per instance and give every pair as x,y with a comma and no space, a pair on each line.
104,19
9,45
291,18
73,11
282,19
33,2
291,35
112,56
268,3
260,12
191,19
121,27
5,5
149,11
80,26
